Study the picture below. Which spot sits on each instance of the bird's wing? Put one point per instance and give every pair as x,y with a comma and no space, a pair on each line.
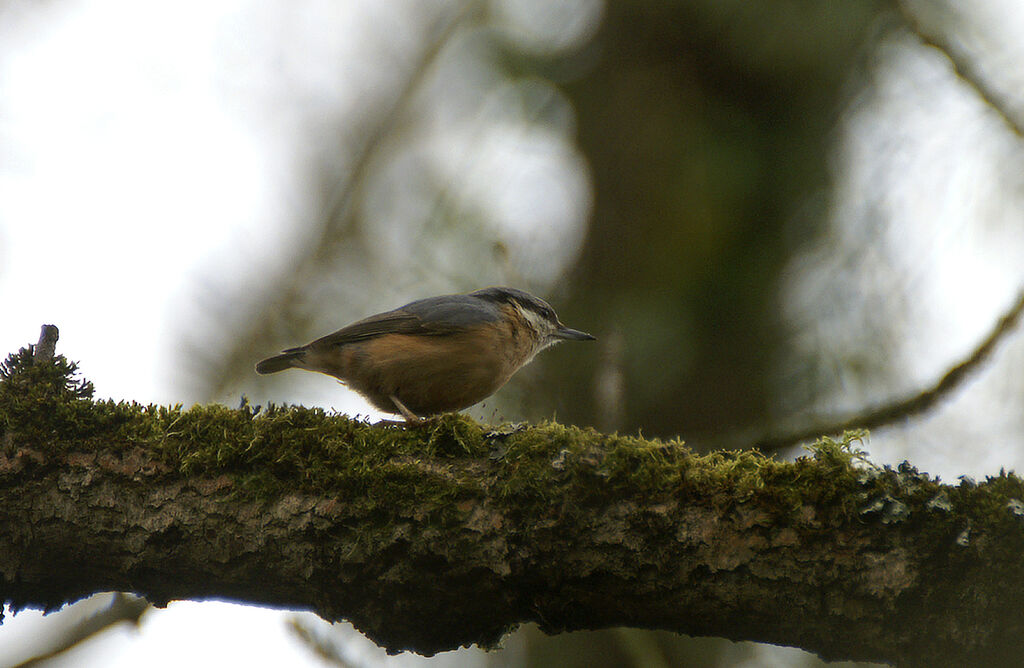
427,317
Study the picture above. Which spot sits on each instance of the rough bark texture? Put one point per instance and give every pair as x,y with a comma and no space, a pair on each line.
446,534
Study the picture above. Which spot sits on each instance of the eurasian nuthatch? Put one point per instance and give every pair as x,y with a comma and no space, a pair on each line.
434,355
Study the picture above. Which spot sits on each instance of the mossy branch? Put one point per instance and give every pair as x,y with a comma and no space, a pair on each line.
453,533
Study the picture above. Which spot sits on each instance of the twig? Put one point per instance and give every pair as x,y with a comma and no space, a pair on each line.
43,352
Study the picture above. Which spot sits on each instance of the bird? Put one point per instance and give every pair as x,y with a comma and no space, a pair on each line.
435,355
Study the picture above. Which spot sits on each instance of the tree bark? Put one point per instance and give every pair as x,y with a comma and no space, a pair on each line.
447,534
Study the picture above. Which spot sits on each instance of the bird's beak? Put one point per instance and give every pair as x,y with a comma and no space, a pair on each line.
568,334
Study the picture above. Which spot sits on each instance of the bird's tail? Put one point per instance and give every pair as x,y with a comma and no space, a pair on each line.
286,360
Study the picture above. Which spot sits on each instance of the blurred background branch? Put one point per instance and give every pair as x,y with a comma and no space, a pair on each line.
942,38
123,608
895,411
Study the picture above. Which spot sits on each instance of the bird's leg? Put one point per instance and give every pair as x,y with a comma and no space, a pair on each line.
409,416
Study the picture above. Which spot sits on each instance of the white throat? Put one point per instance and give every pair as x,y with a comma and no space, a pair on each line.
541,327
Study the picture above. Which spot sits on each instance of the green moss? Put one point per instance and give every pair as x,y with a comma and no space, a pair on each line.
277,449
542,469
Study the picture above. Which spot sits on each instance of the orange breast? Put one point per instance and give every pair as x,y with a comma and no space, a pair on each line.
429,374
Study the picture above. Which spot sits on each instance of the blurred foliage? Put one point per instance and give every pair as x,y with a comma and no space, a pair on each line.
708,128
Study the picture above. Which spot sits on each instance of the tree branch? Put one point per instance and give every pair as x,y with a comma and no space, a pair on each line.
433,537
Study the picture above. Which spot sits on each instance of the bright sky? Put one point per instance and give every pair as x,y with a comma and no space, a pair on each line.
124,169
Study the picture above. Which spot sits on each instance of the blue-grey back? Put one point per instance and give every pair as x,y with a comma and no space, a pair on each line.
432,316
455,311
